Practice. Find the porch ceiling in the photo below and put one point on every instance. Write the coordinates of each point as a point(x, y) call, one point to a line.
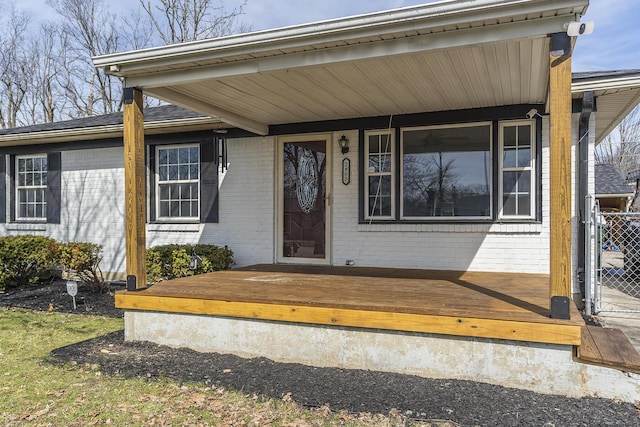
point(435, 57)
point(513, 72)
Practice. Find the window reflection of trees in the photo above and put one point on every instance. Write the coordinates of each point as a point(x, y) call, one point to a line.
point(429, 182)
point(447, 173)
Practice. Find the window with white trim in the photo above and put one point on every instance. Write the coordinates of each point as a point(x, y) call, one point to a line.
point(31, 187)
point(517, 170)
point(379, 174)
point(449, 172)
point(178, 182)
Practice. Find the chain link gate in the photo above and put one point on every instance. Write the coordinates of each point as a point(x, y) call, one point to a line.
point(613, 261)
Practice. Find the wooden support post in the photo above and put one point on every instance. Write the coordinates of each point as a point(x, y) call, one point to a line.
point(560, 174)
point(135, 189)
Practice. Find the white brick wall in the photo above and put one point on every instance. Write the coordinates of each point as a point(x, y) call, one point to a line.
point(93, 210)
point(92, 204)
point(246, 222)
point(477, 247)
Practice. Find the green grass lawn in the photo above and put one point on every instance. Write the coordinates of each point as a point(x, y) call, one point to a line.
point(34, 392)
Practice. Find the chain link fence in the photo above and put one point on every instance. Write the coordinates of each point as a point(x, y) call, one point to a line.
point(617, 261)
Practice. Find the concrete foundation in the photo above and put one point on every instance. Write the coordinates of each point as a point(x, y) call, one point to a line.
point(543, 368)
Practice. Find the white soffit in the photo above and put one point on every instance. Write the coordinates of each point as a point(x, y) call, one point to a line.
point(439, 56)
point(616, 93)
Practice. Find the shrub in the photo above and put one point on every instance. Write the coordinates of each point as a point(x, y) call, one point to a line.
point(82, 261)
point(168, 262)
point(26, 260)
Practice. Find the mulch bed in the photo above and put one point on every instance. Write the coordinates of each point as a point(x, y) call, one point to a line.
point(54, 297)
point(463, 402)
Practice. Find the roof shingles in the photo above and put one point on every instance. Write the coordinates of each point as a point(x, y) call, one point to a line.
point(152, 114)
point(609, 181)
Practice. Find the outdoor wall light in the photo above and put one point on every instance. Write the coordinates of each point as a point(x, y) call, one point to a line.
point(344, 144)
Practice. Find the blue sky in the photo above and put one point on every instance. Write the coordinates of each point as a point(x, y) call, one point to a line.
point(613, 44)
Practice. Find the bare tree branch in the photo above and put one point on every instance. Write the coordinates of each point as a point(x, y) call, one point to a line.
point(621, 148)
point(14, 82)
point(179, 21)
point(91, 30)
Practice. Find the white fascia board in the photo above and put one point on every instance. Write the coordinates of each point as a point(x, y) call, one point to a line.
point(626, 82)
point(379, 49)
point(99, 132)
point(434, 16)
point(614, 196)
point(233, 119)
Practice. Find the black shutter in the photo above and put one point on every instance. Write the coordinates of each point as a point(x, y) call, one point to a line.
point(54, 187)
point(208, 182)
point(3, 189)
point(151, 168)
point(12, 187)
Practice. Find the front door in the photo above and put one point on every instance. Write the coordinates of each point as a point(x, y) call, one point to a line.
point(303, 220)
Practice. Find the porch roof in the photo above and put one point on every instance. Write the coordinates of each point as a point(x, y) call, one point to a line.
point(617, 93)
point(436, 57)
point(162, 119)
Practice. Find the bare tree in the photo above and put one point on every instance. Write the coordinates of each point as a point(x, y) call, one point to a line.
point(179, 21)
point(139, 32)
point(46, 99)
point(90, 30)
point(621, 148)
point(46, 73)
point(14, 82)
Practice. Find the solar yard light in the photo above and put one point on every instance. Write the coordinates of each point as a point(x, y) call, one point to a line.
point(195, 260)
point(72, 289)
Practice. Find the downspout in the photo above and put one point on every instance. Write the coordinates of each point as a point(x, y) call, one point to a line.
point(588, 103)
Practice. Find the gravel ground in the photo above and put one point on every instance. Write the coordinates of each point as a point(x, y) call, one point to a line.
point(466, 403)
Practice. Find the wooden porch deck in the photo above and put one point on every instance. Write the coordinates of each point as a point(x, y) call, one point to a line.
point(484, 305)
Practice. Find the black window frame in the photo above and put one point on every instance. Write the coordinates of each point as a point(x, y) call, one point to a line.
point(207, 181)
point(495, 217)
point(53, 191)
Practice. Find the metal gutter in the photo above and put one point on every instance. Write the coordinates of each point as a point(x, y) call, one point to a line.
point(433, 17)
point(109, 131)
point(604, 196)
point(588, 104)
point(598, 84)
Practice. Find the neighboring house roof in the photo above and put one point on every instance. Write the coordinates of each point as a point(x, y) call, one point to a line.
point(617, 93)
point(609, 182)
point(165, 118)
point(439, 56)
point(632, 176)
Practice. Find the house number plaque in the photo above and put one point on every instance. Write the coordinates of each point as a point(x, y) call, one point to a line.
point(346, 171)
